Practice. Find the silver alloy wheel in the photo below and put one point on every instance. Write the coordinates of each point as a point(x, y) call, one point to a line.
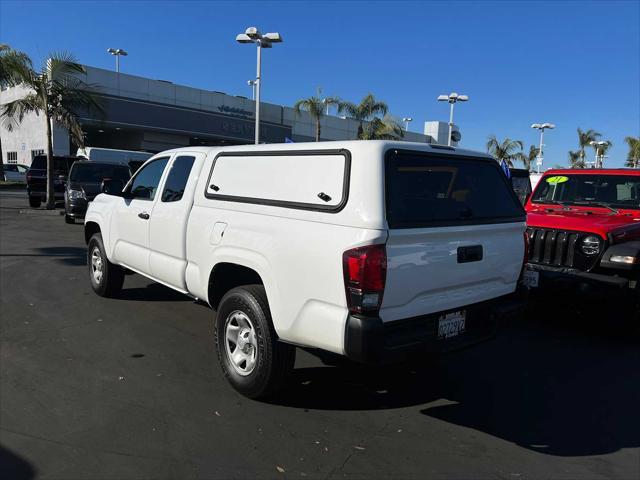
point(96, 265)
point(241, 344)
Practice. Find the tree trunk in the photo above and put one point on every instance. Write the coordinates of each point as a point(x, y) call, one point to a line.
point(318, 129)
point(51, 197)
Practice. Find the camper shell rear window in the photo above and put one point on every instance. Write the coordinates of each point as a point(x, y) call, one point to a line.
point(303, 179)
point(426, 189)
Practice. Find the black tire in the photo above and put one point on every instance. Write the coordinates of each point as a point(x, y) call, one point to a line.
point(274, 360)
point(109, 283)
point(69, 219)
point(34, 202)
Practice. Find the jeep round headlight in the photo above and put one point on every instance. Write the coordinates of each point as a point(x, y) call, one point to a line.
point(590, 245)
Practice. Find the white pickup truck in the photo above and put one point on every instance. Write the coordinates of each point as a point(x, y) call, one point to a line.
point(367, 249)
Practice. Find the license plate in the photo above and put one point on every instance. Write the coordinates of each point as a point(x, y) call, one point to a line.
point(451, 324)
point(530, 278)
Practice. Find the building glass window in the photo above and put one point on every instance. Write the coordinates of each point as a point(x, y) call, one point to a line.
point(12, 157)
point(35, 153)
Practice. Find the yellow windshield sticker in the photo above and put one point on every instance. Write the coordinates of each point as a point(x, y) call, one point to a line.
point(557, 179)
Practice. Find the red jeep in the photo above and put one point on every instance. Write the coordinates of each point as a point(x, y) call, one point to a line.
point(583, 228)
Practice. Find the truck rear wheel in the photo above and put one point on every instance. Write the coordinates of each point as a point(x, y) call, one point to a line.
point(106, 277)
point(252, 358)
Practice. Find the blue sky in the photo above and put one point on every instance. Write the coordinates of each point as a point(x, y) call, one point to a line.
point(572, 63)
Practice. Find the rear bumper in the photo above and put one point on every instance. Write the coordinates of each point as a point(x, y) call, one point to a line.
point(370, 340)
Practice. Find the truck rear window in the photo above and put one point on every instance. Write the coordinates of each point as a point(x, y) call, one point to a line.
point(430, 190)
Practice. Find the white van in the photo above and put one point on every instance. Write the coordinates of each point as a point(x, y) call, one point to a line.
point(131, 158)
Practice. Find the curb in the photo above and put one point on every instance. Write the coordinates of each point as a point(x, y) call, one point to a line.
point(49, 213)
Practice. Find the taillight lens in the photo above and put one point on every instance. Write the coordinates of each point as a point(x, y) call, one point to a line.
point(365, 272)
point(28, 176)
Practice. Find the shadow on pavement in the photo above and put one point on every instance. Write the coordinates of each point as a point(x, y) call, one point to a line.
point(13, 467)
point(550, 387)
point(74, 256)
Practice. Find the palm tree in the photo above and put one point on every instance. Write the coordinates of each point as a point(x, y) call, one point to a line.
point(58, 94)
point(531, 157)
point(506, 151)
point(386, 128)
point(366, 110)
point(584, 140)
point(633, 157)
point(316, 107)
point(601, 151)
point(10, 60)
point(575, 160)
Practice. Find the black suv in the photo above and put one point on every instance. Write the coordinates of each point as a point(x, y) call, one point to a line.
point(37, 178)
point(85, 180)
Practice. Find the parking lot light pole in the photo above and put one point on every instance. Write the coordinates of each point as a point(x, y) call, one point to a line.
point(599, 158)
point(406, 121)
point(541, 127)
point(253, 35)
point(452, 98)
point(117, 52)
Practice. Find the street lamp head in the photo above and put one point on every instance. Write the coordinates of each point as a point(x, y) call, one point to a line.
point(548, 125)
point(463, 98)
point(243, 38)
point(443, 98)
point(117, 51)
point(273, 37)
point(536, 126)
point(252, 32)
point(112, 51)
point(407, 119)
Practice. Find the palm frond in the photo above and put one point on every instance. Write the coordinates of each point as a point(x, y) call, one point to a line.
point(14, 112)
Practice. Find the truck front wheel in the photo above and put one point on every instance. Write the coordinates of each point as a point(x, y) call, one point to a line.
point(106, 277)
point(252, 358)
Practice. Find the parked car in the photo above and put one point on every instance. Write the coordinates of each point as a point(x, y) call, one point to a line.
point(37, 178)
point(367, 249)
point(584, 233)
point(85, 181)
point(15, 172)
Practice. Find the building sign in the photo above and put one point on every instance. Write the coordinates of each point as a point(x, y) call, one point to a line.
point(235, 111)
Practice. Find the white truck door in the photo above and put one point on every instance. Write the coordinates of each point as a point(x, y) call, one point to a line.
point(168, 223)
point(130, 227)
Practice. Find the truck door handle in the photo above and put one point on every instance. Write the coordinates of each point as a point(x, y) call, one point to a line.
point(144, 215)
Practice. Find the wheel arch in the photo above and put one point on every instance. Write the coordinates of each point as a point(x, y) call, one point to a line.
point(225, 276)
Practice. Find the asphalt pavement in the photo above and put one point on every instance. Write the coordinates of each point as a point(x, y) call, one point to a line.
point(130, 388)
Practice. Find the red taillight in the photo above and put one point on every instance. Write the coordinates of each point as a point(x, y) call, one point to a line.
point(28, 176)
point(365, 272)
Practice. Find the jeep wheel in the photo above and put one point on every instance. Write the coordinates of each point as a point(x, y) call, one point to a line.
point(106, 278)
point(252, 358)
point(34, 202)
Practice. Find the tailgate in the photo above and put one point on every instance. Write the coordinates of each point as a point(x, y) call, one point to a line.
point(437, 269)
point(456, 233)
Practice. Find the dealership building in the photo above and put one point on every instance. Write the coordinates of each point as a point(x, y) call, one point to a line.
point(154, 115)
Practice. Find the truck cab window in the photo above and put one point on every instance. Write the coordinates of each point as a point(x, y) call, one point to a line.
point(177, 179)
point(145, 183)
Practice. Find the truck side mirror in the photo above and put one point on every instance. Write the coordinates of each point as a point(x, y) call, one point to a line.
point(112, 187)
